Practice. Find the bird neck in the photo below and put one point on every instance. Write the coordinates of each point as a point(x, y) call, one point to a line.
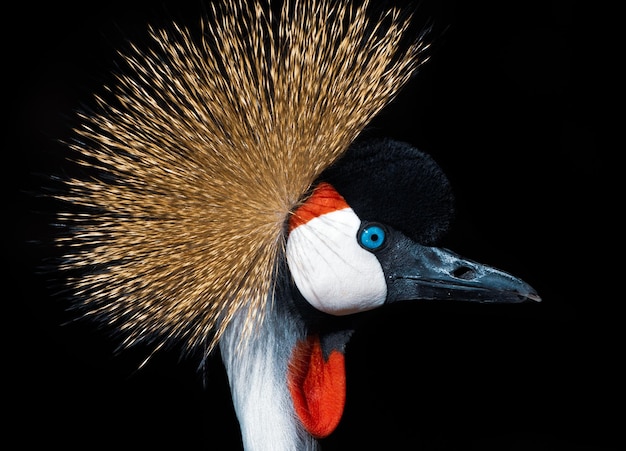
point(288, 379)
point(258, 373)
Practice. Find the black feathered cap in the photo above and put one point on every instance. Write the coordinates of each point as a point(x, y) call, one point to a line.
point(393, 183)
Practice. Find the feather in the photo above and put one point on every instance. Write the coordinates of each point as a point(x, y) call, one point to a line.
point(210, 143)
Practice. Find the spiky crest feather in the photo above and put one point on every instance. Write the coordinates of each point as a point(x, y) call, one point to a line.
point(208, 148)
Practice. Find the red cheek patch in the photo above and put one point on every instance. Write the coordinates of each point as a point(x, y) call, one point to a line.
point(317, 386)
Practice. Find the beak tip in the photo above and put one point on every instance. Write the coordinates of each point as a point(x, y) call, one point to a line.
point(533, 297)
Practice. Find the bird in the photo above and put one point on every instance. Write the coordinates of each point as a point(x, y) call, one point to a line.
point(231, 202)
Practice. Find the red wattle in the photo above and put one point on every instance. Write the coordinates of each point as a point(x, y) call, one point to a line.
point(317, 387)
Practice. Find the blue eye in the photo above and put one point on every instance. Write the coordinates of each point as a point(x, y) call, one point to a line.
point(372, 236)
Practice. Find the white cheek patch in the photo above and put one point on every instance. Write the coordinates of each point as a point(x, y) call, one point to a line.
point(333, 273)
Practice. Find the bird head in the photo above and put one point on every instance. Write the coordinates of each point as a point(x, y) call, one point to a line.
point(365, 237)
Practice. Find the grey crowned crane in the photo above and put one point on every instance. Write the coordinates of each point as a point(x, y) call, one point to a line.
point(233, 204)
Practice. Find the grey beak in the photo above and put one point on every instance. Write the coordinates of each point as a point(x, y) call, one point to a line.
point(417, 272)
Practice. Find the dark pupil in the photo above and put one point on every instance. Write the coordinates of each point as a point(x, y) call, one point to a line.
point(374, 237)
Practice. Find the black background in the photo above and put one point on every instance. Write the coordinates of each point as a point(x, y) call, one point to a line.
point(514, 104)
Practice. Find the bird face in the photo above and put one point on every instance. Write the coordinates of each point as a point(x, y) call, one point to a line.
point(347, 254)
point(342, 264)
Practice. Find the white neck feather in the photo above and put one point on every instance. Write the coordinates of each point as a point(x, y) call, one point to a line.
point(257, 374)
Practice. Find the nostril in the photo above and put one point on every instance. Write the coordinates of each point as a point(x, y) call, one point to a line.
point(464, 272)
